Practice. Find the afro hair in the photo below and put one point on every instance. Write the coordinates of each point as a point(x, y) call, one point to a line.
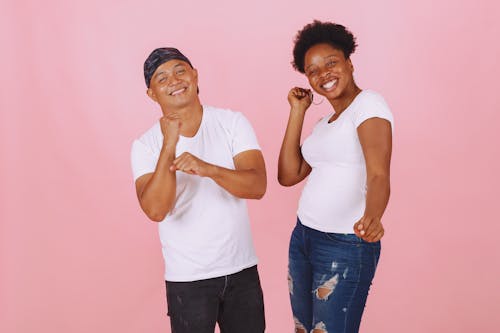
point(319, 32)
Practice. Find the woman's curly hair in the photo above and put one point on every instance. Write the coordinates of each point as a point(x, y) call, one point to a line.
point(319, 32)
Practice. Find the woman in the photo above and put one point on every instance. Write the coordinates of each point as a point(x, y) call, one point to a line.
point(335, 246)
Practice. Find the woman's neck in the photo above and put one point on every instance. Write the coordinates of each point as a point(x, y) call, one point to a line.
point(343, 101)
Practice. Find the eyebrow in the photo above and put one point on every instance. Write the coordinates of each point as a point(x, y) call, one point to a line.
point(327, 57)
point(159, 73)
point(163, 72)
point(308, 66)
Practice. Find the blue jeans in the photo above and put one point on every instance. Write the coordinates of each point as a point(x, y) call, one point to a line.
point(329, 278)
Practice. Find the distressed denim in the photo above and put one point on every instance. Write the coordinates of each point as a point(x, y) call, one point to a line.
point(233, 301)
point(329, 278)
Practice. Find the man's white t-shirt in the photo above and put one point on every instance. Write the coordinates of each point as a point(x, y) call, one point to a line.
point(207, 233)
point(334, 197)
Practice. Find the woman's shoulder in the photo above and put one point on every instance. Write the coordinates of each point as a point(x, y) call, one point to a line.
point(370, 99)
point(371, 96)
point(371, 104)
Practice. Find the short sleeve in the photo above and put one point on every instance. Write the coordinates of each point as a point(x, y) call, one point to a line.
point(243, 136)
point(373, 107)
point(143, 159)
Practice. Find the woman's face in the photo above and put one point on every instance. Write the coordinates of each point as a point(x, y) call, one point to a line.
point(328, 71)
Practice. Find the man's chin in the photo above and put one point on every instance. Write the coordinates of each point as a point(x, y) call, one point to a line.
point(180, 104)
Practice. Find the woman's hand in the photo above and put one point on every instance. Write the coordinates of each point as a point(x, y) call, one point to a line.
point(369, 229)
point(300, 99)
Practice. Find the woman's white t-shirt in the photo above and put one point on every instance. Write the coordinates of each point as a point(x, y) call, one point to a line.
point(334, 197)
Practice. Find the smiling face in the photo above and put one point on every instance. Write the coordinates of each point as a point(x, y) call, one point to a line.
point(328, 71)
point(174, 85)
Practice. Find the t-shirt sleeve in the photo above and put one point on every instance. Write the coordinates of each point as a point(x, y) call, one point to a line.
point(374, 107)
point(243, 136)
point(142, 158)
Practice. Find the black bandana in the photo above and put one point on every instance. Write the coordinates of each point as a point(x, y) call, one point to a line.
point(159, 57)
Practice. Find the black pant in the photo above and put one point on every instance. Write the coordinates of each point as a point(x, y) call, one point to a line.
point(234, 301)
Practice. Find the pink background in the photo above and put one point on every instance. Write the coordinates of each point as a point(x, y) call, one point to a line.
point(78, 255)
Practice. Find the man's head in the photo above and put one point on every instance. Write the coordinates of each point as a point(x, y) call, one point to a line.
point(159, 57)
point(171, 79)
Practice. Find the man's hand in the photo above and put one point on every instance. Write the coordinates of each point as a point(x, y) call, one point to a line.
point(170, 127)
point(369, 229)
point(192, 165)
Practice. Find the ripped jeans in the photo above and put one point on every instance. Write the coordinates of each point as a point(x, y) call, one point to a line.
point(329, 278)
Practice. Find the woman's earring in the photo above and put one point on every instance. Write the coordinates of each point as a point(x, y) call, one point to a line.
point(311, 96)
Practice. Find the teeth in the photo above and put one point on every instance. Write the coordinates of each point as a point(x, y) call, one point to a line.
point(177, 92)
point(329, 84)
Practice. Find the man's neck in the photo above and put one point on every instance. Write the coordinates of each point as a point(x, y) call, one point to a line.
point(190, 117)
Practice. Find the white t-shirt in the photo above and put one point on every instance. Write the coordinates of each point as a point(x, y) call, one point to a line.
point(207, 233)
point(334, 196)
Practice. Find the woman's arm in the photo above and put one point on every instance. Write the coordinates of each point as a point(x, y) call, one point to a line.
point(375, 136)
point(292, 168)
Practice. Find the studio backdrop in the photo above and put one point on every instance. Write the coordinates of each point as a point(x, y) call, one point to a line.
point(78, 255)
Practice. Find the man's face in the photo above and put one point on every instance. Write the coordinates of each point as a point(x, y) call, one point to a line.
point(174, 85)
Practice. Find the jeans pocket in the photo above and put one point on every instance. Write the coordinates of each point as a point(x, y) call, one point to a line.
point(350, 239)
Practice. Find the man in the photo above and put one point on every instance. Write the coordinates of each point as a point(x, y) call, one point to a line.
point(193, 171)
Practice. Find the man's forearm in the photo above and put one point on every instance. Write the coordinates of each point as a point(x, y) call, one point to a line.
point(246, 184)
point(158, 195)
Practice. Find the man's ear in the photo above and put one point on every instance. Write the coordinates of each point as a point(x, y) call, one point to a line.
point(196, 78)
point(152, 95)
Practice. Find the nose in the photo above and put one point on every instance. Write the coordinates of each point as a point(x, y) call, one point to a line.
point(173, 80)
point(325, 73)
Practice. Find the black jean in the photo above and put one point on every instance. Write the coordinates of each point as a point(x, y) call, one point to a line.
point(233, 301)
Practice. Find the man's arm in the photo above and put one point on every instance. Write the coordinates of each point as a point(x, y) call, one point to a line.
point(156, 191)
point(247, 181)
